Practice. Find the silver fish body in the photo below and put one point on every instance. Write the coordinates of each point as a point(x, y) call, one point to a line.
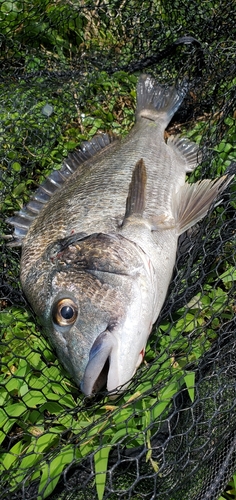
point(99, 240)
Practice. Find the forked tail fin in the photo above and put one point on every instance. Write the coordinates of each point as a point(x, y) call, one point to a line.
point(158, 102)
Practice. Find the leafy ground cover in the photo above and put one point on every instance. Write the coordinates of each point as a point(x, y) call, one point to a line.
point(42, 413)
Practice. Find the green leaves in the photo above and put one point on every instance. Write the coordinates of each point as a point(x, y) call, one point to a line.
point(228, 276)
point(41, 408)
point(189, 380)
point(100, 465)
point(53, 470)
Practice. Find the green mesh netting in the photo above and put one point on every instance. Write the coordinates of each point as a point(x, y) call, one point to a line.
point(69, 70)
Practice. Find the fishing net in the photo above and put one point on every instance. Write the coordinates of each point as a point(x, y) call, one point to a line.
point(69, 70)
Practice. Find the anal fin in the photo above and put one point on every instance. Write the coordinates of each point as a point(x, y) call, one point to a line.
point(193, 201)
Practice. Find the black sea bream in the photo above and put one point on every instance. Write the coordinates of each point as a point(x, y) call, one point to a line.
point(99, 240)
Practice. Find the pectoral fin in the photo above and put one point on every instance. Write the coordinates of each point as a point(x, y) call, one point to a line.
point(193, 201)
point(135, 203)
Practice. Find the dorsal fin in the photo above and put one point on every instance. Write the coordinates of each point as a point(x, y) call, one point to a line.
point(135, 203)
point(23, 219)
point(187, 149)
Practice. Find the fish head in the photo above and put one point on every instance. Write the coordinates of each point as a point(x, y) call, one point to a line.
point(96, 309)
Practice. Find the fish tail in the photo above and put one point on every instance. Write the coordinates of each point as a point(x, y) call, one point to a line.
point(158, 102)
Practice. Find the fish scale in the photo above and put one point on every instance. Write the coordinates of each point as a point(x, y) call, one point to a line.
point(99, 240)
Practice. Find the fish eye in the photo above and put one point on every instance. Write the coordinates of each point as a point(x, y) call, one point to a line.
point(64, 312)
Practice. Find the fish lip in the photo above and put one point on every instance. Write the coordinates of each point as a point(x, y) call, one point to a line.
point(102, 369)
point(97, 369)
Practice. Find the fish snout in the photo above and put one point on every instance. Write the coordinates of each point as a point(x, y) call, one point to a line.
point(105, 368)
point(97, 369)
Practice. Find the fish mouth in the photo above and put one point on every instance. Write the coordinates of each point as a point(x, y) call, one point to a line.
point(97, 372)
point(104, 370)
point(101, 380)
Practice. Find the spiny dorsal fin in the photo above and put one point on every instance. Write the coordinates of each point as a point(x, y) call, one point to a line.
point(187, 149)
point(135, 203)
point(87, 150)
point(23, 219)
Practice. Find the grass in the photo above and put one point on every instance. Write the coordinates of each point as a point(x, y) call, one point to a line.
point(43, 416)
point(46, 426)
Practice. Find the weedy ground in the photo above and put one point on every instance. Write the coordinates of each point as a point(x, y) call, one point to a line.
point(42, 413)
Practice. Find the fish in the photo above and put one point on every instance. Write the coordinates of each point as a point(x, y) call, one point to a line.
point(99, 240)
